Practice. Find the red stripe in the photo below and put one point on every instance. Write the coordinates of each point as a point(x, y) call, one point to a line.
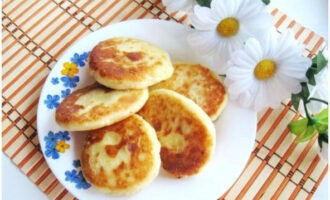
point(318, 182)
point(305, 177)
point(61, 195)
point(27, 158)
point(294, 167)
point(280, 21)
point(51, 187)
point(36, 166)
point(43, 176)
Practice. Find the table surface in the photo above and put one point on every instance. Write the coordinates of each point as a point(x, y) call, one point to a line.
point(311, 14)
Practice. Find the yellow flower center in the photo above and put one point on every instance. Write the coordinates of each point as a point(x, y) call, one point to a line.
point(61, 146)
point(228, 27)
point(265, 69)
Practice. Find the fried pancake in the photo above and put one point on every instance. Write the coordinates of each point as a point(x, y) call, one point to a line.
point(199, 84)
point(185, 132)
point(97, 106)
point(125, 63)
point(122, 158)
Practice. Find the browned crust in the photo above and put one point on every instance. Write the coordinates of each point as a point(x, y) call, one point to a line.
point(124, 65)
point(67, 111)
point(161, 111)
point(136, 144)
point(211, 97)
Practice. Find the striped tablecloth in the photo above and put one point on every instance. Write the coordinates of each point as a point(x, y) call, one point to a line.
point(36, 33)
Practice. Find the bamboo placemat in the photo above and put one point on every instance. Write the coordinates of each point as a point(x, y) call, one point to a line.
point(36, 33)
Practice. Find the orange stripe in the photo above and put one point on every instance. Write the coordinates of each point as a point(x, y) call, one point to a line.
point(274, 125)
point(117, 13)
point(292, 23)
point(271, 177)
point(24, 11)
point(309, 37)
point(305, 177)
point(4, 6)
point(182, 18)
point(27, 158)
point(316, 46)
point(26, 32)
point(15, 8)
point(280, 21)
point(28, 109)
point(264, 118)
point(274, 12)
point(299, 32)
point(131, 12)
point(43, 176)
point(25, 97)
point(51, 187)
point(318, 182)
point(147, 10)
point(294, 167)
point(28, 18)
point(271, 153)
point(32, 26)
point(61, 195)
point(264, 162)
point(15, 137)
point(36, 166)
point(105, 11)
point(14, 80)
point(49, 35)
point(19, 149)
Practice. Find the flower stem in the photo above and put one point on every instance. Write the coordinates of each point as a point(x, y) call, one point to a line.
point(309, 118)
point(316, 99)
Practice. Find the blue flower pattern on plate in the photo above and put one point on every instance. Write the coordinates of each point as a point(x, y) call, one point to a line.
point(77, 177)
point(76, 163)
point(55, 81)
point(68, 83)
point(80, 59)
point(65, 93)
point(54, 143)
point(52, 101)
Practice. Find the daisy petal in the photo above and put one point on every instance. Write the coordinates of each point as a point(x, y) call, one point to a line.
point(203, 18)
point(253, 49)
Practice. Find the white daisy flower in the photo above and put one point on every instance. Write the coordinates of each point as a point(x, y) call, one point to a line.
point(264, 73)
point(183, 5)
point(225, 27)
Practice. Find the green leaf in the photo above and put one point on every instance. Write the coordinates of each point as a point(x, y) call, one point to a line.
point(205, 3)
point(322, 121)
point(308, 134)
point(298, 127)
point(310, 76)
point(320, 61)
point(323, 137)
point(295, 99)
point(304, 94)
point(266, 1)
point(323, 114)
point(321, 128)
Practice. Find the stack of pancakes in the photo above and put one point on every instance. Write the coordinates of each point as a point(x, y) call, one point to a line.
point(142, 113)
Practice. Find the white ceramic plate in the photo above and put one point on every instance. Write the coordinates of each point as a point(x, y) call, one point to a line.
point(236, 128)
